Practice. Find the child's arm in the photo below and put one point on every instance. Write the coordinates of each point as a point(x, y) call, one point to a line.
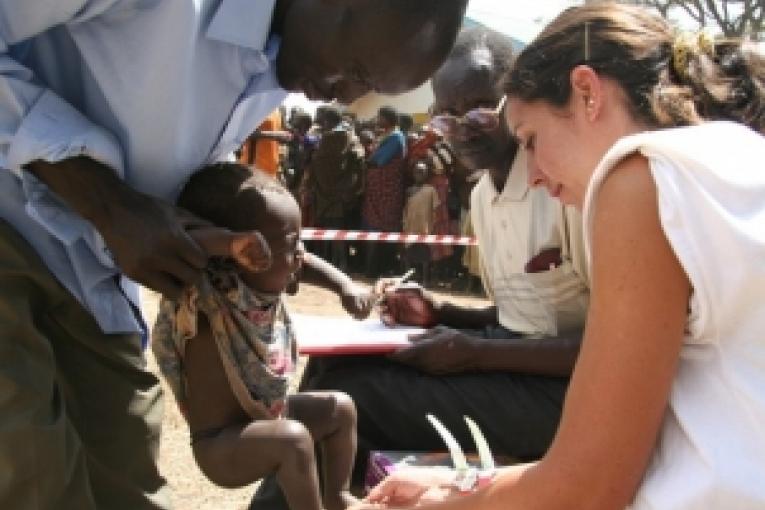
point(356, 300)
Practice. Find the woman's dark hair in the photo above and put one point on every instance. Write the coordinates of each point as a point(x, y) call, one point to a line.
point(631, 45)
point(227, 194)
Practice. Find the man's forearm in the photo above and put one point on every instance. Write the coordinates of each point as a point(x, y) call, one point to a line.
point(456, 316)
point(86, 186)
point(552, 356)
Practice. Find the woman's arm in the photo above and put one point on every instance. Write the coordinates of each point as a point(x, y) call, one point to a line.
point(619, 391)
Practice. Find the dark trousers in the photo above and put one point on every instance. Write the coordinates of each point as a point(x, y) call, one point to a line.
point(79, 413)
point(517, 413)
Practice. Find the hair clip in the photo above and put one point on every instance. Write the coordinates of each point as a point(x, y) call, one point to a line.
point(681, 49)
point(586, 41)
point(706, 43)
point(685, 45)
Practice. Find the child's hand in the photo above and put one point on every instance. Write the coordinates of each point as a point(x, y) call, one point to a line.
point(358, 302)
point(248, 249)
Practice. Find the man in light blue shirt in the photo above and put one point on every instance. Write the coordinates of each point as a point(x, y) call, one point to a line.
point(106, 107)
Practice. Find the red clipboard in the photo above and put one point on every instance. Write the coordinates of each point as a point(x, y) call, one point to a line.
point(319, 335)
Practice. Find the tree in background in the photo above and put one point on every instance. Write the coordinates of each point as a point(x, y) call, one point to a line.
point(735, 18)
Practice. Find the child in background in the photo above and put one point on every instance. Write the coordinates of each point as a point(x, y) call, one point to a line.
point(419, 217)
point(227, 348)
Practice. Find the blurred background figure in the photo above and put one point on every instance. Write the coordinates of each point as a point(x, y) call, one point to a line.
point(262, 147)
point(419, 216)
point(336, 181)
point(299, 148)
point(384, 194)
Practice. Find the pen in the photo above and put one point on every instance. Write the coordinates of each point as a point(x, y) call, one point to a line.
point(397, 283)
point(404, 277)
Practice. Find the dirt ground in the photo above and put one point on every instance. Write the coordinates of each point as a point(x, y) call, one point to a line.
point(191, 490)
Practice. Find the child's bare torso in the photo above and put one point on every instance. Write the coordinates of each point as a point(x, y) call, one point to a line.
point(211, 403)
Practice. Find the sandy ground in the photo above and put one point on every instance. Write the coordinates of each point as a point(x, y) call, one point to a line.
point(191, 490)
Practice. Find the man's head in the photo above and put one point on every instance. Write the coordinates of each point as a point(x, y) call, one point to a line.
point(471, 78)
point(343, 49)
point(301, 121)
point(387, 118)
point(331, 117)
point(240, 199)
point(405, 122)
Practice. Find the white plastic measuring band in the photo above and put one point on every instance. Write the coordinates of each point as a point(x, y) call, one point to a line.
point(458, 456)
point(467, 478)
point(484, 453)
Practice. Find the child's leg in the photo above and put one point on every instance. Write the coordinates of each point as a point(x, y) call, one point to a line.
point(331, 418)
point(239, 455)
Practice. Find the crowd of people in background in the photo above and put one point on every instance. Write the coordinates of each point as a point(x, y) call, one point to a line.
point(385, 174)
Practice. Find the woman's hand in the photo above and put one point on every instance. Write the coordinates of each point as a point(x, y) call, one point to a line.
point(414, 486)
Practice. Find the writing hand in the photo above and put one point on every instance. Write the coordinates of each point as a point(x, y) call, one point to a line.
point(408, 305)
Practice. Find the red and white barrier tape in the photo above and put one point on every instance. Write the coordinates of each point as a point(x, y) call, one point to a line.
point(317, 234)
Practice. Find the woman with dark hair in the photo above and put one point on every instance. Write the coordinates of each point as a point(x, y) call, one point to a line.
point(658, 139)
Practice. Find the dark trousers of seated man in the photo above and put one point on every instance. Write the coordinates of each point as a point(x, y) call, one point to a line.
point(517, 413)
point(79, 413)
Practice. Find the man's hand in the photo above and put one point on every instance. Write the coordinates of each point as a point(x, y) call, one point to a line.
point(248, 249)
point(148, 238)
point(407, 305)
point(150, 243)
point(166, 248)
point(440, 351)
point(358, 302)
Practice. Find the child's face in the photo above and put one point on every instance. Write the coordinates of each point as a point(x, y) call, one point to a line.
point(280, 225)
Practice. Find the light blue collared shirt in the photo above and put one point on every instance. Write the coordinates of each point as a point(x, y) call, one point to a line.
point(153, 88)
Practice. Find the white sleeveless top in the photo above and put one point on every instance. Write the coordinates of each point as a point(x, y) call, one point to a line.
point(710, 182)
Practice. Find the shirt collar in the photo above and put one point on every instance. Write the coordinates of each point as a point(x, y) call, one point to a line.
point(517, 184)
point(243, 23)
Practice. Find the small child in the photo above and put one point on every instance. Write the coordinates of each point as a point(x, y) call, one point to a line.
point(419, 216)
point(227, 348)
